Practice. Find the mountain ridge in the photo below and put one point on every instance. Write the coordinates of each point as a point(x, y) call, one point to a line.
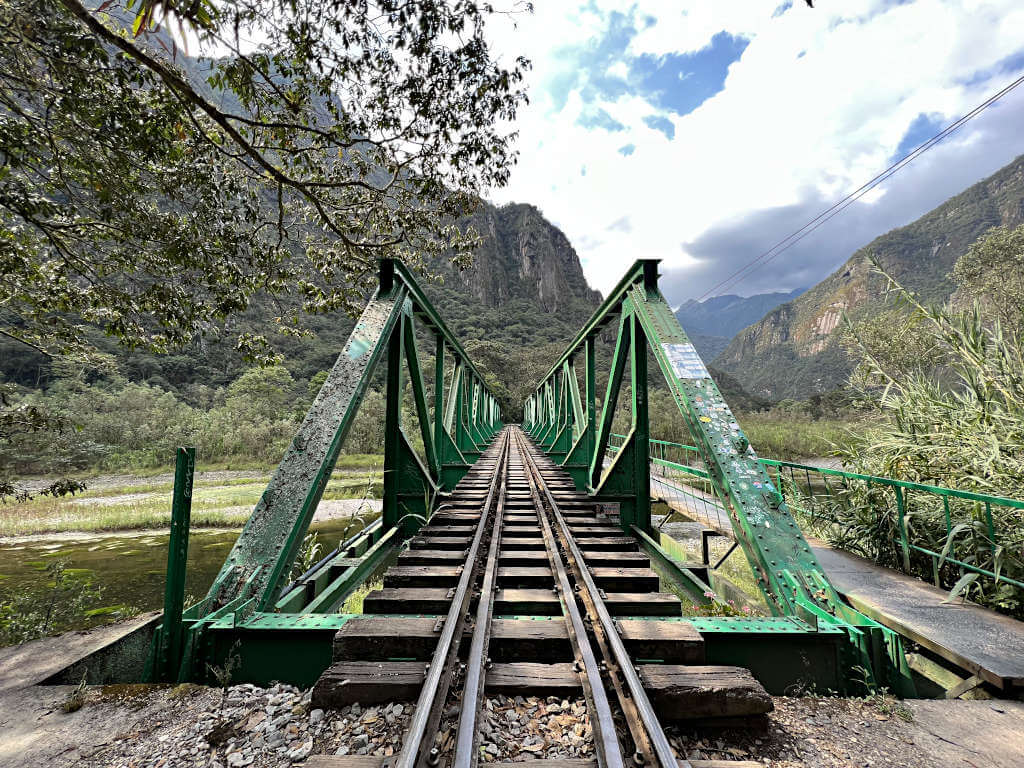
point(711, 323)
point(793, 351)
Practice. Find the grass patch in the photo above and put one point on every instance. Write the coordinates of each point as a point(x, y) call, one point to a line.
point(216, 503)
point(791, 437)
point(354, 602)
point(350, 461)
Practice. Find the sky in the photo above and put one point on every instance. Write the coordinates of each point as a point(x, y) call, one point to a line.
point(701, 132)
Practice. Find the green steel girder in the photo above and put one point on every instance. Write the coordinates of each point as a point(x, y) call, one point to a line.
point(788, 573)
point(611, 400)
point(255, 656)
point(306, 589)
point(578, 419)
point(334, 592)
point(252, 576)
point(419, 394)
point(268, 544)
point(577, 461)
point(787, 655)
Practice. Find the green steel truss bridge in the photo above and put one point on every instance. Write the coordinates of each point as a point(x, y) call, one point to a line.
point(524, 559)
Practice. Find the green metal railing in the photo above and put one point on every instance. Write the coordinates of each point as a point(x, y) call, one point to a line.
point(949, 536)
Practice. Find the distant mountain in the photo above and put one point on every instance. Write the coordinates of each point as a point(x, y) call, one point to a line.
point(794, 350)
point(728, 315)
point(708, 346)
point(711, 323)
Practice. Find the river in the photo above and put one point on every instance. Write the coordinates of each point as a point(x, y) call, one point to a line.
point(130, 567)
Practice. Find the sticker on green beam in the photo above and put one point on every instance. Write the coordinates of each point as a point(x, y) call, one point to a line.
point(685, 362)
point(359, 347)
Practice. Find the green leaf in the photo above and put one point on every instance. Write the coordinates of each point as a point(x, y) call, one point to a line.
point(139, 20)
point(958, 528)
point(965, 581)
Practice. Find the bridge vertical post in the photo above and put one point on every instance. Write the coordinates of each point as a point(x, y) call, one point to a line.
point(171, 634)
point(392, 427)
point(538, 421)
point(439, 443)
point(641, 427)
point(591, 428)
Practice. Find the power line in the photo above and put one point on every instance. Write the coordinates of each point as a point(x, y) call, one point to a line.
point(838, 207)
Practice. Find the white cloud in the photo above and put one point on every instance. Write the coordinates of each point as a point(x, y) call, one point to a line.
point(619, 69)
point(816, 105)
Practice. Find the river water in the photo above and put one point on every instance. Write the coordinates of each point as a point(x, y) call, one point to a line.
point(130, 567)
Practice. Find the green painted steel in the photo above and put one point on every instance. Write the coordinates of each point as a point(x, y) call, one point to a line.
point(252, 578)
point(666, 554)
point(611, 400)
point(247, 613)
point(273, 534)
point(309, 586)
point(169, 637)
point(337, 590)
point(788, 574)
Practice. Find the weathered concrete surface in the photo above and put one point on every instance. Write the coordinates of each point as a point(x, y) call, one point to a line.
point(980, 640)
point(987, 734)
point(31, 663)
point(33, 729)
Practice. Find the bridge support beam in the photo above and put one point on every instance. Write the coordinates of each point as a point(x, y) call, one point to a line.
point(788, 574)
point(255, 576)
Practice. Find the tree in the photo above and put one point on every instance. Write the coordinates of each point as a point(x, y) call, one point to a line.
point(155, 194)
point(263, 394)
point(992, 272)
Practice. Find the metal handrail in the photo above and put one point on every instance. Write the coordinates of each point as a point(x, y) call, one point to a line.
point(904, 538)
point(940, 490)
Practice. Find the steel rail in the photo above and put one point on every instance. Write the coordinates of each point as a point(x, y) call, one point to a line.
point(592, 597)
point(466, 754)
point(433, 694)
point(609, 752)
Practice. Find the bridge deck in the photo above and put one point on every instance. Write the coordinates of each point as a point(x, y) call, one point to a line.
point(981, 641)
point(984, 642)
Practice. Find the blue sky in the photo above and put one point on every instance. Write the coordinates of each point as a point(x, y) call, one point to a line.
point(702, 131)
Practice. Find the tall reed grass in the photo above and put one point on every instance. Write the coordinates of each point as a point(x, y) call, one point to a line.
point(958, 423)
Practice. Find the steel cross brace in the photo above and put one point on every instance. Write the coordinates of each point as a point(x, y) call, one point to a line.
point(788, 573)
point(256, 569)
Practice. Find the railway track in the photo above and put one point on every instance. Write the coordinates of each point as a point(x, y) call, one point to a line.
point(519, 586)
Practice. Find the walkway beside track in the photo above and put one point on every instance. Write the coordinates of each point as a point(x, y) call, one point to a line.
point(981, 641)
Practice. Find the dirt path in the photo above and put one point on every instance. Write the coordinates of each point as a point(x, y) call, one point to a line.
point(101, 482)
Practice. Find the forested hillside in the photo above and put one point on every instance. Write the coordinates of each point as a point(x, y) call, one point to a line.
point(524, 289)
point(794, 351)
point(523, 298)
